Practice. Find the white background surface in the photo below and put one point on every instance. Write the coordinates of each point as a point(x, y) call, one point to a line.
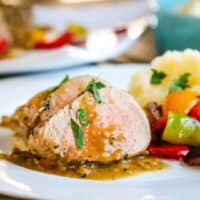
point(176, 183)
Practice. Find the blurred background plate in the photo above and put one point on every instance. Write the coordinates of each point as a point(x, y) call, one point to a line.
point(102, 44)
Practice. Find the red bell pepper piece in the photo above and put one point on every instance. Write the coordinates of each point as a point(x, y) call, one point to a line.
point(3, 45)
point(195, 111)
point(120, 30)
point(169, 151)
point(62, 40)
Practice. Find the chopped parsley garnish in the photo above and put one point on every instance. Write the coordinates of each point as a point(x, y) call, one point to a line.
point(94, 87)
point(82, 116)
point(157, 77)
point(78, 134)
point(180, 84)
point(66, 78)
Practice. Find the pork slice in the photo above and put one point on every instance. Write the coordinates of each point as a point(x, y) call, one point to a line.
point(117, 127)
point(67, 93)
point(45, 104)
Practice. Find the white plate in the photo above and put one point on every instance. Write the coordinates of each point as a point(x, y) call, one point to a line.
point(102, 43)
point(177, 182)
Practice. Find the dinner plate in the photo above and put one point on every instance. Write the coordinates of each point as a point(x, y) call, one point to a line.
point(176, 182)
point(101, 44)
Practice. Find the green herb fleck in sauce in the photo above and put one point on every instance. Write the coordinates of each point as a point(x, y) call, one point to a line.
point(82, 116)
point(78, 134)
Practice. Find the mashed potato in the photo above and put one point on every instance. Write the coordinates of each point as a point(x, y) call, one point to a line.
point(174, 64)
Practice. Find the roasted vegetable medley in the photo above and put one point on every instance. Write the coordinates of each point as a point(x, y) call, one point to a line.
point(170, 95)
